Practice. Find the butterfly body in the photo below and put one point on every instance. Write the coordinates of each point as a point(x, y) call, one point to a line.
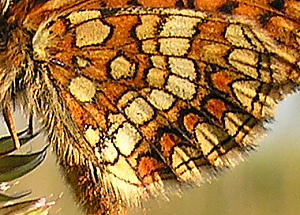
point(138, 95)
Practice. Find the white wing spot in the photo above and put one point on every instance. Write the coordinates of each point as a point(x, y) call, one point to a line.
point(92, 136)
point(126, 139)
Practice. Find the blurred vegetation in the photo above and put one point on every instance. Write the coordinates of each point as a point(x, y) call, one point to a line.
point(14, 166)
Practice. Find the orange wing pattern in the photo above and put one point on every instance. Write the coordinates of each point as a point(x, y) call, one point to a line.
point(136, 95)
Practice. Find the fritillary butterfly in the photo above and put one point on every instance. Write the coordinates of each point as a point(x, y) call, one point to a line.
point(136, 95)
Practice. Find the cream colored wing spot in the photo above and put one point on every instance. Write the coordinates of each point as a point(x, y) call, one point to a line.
point(184, 166)
point(240, 126)
point(233, 121)
point(124, 171)
point(241, 37)
point(150, 46)
point(93, 32)
point(82, 89)
point(121, 177)
point(280, 70)
point(127, 98)
point(81, 62)
point(157, 77)
point(174, 46)
point(126, 138)
point(109, 151)
point(139, 111)
point(209, 136)
point(92, 136)
point(181, 88)
point(115, 120)
point(83, 16)
point(245, 61)
point(148, 28)
point(159, 61)
point(98, 153)
point(183, 67)
point(248, 93)
point(122, 68)
point(214, 54)
point(179, 26)
point(161, 100)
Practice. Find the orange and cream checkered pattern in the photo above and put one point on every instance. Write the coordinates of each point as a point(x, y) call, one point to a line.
point(137, 95)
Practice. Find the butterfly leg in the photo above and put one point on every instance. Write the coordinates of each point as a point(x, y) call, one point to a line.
point(9, 120)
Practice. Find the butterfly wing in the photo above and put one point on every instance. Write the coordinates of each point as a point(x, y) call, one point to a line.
point(155, 95)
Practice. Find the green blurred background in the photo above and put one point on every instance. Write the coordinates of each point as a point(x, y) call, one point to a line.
point(267, 183)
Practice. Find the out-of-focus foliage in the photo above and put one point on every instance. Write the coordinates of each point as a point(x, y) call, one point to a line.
point(33, 207)
point(13, 166)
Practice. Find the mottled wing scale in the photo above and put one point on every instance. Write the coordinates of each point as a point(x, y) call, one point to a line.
point(136, 95)
point(157, 95)
point(279, 17)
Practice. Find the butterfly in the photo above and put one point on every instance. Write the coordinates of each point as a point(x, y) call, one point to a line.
point(141, 96)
